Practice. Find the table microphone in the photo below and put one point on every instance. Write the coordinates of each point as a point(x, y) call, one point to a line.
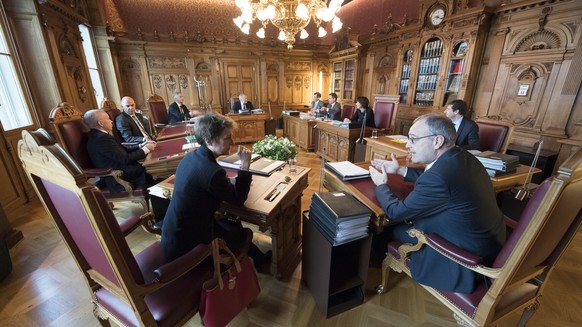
point(361, 138)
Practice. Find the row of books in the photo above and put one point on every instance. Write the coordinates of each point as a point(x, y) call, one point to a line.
point(339, 217)
point(259, 165)
point(497, 164)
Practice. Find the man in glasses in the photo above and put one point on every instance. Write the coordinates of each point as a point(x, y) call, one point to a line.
point(452, 197)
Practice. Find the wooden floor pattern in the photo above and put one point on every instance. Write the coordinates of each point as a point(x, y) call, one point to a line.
point(46, 288)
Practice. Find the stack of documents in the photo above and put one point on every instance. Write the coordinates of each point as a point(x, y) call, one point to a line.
point(497, 164)
point(346, 170)
point(262, 166)
point(339, 216)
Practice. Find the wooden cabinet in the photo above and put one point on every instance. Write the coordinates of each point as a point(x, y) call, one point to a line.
point(344, 69)
point(335, 275)
point(405, 75)
point(251, 128)
point(300, 131)
point(339, 142)
point(428, 71)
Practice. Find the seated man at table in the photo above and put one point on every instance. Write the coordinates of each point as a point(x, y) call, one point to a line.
point(105, 152)
point(467, 130)
point(243, 105)
point(452, 197)
point(333, 110)
point(178, 112)
point(200, 186)
point(131, 124)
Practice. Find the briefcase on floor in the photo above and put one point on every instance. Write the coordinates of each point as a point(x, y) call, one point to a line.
point(5, 262)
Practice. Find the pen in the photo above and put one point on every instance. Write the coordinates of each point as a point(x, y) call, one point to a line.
point(274, 196)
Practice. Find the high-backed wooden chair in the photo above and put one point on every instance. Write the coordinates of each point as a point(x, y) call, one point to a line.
point(516, 279)
point(494, 135)
point(112, 111)
point(385, 110)
point(348, 111)
point(233, 100)
point(140, 290)
point(71, 132)
point(158, 110)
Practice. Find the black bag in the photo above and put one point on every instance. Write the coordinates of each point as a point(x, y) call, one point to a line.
point(5, 262)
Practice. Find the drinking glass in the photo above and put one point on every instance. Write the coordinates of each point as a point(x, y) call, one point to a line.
point(292, 165)
point(375, 134)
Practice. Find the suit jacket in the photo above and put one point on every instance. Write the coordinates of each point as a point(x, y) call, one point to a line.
point(468, 135)
point(177, 113)
point(128, 128)
point(200, 186)
point(334, 112)
point(316, 104)
point(236, 107)
point(358, 117)
point(105, 152)
point(454, 199)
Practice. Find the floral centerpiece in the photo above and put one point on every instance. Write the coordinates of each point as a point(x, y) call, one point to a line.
point(277, 148)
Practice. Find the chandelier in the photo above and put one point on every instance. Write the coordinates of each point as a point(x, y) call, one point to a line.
point(289, 16)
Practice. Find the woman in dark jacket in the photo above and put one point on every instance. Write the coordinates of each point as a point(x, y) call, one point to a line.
point(363, 113)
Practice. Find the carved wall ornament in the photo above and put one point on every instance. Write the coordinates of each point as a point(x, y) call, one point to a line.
point(156, 36)
point(539, 40)
point(186, 36)
point(387, 61)
point(171, 83)
point(203, 66)
point(66, 47)
point(544, 18)
point(129, 64)
point(298, 66)
point(199, 37)
point(79, 80)
point(272, 68)
point(323, 68)
point(307, 82)
point(289, 82)
point(157, 79)
point(183, 81)
point(139, 34)
point(298, 82)
point(166, 62)
point(172, 36)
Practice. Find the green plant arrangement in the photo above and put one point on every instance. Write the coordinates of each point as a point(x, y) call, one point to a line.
point(277, 148)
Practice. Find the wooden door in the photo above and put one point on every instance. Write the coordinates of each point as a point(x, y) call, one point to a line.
point(239, 79)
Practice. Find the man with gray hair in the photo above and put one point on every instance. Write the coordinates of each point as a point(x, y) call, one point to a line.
point(243, 105)
point(178, 112)
point(105, 152)
point(452, 197)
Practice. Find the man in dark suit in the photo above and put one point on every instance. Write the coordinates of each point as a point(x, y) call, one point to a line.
point(333, 109)
point(105, 152)
point(178, 112)
point(243, 105)
point(131, 125)
point(467, 130)
point(317, 105)
point(452, 197)
point(200, 186)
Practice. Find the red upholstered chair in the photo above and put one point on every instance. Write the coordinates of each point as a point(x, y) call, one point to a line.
point(140, 290)
point(494, 135)
point(71, 132)
point(158, 110)
point(112, 111)
point(385, 109)
point(517, 277)
point(348, 111)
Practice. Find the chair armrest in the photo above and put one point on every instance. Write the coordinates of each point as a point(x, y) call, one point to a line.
point(148, 222)
point(183, 264)
point(452, 251)
point(98, 172)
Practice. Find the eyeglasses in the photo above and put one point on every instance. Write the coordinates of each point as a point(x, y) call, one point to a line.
point(414, 139)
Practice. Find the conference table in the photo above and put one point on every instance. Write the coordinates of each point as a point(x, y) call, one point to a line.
point(363, 189)
point(163, 161)
point(273, 203)
point(174, 131)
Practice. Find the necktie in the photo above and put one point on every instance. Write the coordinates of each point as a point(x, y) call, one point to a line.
point(145, 135)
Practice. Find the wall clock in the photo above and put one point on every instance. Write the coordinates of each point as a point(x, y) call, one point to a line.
point(436, 16)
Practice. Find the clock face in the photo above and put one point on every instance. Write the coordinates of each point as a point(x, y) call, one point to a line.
point(436, 16)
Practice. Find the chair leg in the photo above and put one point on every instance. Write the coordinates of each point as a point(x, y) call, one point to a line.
point(103, 319)
point(382, 288)
point(528, 313)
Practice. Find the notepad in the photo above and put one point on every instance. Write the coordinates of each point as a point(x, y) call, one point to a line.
point(347, 170)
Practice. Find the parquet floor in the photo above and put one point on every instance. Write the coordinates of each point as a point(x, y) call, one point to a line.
point(46, 288)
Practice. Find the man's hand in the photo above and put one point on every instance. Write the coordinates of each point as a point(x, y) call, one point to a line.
point(389, 166)
point(379, 178)
point(245, 157)
point(150, 146)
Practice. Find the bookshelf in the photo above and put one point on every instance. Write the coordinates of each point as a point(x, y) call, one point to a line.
point(405, 76)
point(428, 71)
point(455, 72)
point(344, 79)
